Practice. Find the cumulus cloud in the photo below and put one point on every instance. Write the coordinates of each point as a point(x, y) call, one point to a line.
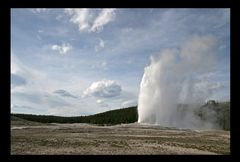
point(62, 49)
point(87, 20)
point(104, 88)
point(103, 18)
point(64, 93)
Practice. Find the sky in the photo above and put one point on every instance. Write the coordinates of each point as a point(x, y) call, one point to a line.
point(73, 62)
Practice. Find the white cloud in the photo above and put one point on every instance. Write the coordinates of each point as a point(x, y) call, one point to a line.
point(102, 103)
point(64, 93)
point(129, 103)
point(21, 74)
point(34, 80)
point(104, 88)
point(39, 10)
point(104, 64)
point(80, 17)
point(87, 21)
point(100, 65)
point(99, 101)
point(59, 17)
point(62, 49)
point(38, 93)
point(100, 45)
point(103, 18)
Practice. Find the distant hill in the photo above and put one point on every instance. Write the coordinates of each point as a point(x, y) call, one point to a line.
point(218, 113)
point(124, 115)
point(15, 121)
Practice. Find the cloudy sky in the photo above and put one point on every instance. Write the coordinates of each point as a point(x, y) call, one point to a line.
point(74, 62)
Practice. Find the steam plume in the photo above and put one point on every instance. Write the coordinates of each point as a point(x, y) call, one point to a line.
point(171, 79)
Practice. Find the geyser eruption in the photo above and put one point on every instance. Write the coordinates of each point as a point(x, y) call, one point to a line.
point(172, 81)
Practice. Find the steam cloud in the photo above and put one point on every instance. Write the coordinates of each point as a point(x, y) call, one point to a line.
point(172, 79)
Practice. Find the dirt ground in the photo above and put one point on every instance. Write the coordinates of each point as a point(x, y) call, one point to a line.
point(78, 139)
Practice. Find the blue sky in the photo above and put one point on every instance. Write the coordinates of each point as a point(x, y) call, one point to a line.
point(84, 61)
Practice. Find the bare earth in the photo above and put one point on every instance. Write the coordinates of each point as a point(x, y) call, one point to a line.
point(78, 139)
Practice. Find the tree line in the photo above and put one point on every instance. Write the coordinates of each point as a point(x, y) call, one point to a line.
point(217, 113)
point(124, 115)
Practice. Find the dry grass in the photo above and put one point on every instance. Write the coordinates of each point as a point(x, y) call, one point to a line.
point(121, 139)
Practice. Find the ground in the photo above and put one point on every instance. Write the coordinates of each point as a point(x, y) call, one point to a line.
point(78, 139)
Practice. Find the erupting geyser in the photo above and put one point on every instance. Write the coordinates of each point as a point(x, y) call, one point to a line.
point(172, 79)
